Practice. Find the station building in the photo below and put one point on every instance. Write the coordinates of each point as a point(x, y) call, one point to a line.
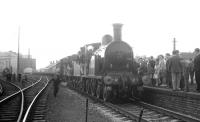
point(9, 60)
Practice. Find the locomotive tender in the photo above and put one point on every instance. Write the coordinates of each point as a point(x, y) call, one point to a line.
point(106, 70)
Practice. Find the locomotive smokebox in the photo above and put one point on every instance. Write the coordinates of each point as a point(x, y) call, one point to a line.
point(117, 27)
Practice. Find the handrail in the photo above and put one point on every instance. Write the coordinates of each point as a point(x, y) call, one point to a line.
point(33, 101)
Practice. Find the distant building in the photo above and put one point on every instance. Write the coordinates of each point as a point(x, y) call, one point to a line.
point(187, 55)
point(51, 68)
point(25, 63)
point(9, 60)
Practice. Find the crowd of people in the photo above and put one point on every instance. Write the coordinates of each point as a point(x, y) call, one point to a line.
point(172, 71)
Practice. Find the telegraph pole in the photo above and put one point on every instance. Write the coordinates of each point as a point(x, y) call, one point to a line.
point(29, 55)
point(174, 43)
point(85, 73)
point(18, 55)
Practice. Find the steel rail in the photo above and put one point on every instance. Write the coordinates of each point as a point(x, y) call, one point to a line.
point(123, 112)
point(22, 103)
point(144, 105)
point(11, 94)
point(22, 97)
point(22, 106)
point(33, 101)
point(32, 84)
point(8, 97)
point(10, 83)
point(168, 112)
point(109, 105)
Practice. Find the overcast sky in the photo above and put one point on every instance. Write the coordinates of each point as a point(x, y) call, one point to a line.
point(54, 29)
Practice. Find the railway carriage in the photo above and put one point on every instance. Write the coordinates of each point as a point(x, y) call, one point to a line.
point(107, 70)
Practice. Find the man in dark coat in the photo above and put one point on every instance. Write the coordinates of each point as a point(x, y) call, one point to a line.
point(168, 73)
point(150, 69)
point(185, 74)
point(56, 81)
point(197, 68)
point(175, 67)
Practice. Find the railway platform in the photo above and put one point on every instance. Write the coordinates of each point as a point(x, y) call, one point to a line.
point(179, 101)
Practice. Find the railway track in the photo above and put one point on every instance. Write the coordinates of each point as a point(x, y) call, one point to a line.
point(17, 106)
point(8, 88)
point(134, 110)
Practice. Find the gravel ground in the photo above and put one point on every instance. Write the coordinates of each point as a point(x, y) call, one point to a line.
point(68, 106)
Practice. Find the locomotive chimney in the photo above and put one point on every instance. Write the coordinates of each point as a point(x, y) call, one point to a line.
point(117, 31)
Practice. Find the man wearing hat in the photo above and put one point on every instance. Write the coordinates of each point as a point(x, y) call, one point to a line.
point(175, 68)
point(197, 67)
point(56, 81)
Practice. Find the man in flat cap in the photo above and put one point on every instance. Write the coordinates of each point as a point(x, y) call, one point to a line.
point(197, 68)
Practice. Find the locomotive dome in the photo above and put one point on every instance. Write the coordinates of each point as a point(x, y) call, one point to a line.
point(106, 39)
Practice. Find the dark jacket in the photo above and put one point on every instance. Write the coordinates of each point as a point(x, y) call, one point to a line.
point(56, 82)
point(185, 66)
point(143, 68)
point(191, 66)
point(150, 66)
point(197, 63)
point(174, 64)
point(167, 65)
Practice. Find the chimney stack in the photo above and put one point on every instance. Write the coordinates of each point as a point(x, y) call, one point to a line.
point(117, 31)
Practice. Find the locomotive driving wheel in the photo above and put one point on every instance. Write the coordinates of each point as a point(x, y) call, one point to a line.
point(87, 87)
point(93, 92)
point(98, 91)
point(133, 92)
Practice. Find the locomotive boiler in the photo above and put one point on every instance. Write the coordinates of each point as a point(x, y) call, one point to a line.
point(106, 70)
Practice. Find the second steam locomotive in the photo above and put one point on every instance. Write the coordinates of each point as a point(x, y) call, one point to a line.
point(106, 70)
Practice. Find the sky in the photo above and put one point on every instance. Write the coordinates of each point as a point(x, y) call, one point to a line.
point(54, 29)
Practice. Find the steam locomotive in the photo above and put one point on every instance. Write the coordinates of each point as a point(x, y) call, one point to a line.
point(106, 70)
